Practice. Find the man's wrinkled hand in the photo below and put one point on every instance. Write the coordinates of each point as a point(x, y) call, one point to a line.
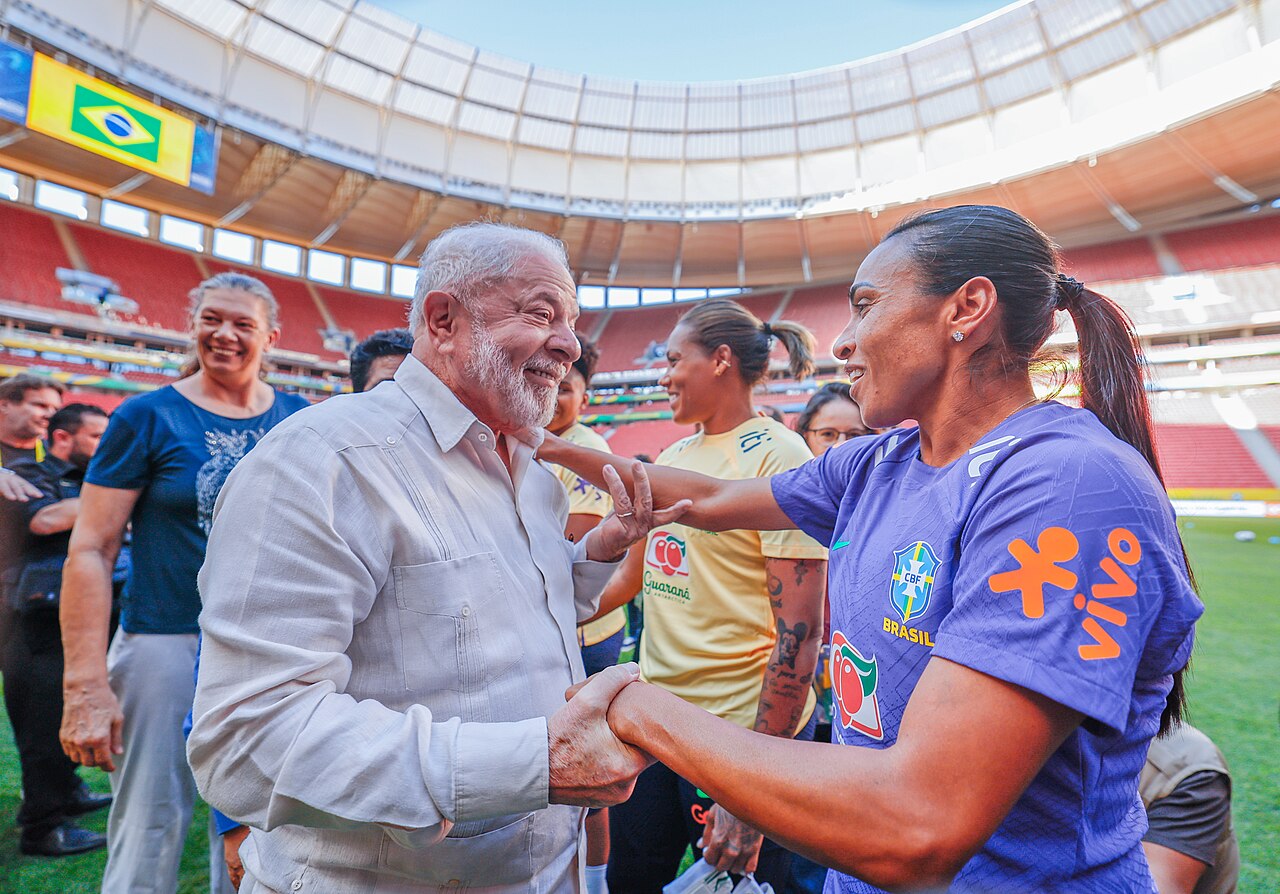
point(730, 844)
point(631, 519)
point(589, 765)
point(91, 726)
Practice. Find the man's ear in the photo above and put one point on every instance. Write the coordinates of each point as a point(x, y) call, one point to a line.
point(441, 319)
point(586, 400)
point(59, 437)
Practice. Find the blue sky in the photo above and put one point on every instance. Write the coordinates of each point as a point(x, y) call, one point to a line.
point(690, 40)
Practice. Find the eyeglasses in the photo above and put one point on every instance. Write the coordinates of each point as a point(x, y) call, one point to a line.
point(834, 435)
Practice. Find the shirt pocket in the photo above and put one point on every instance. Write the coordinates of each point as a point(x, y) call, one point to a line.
point(503, 856)
point(456, 632)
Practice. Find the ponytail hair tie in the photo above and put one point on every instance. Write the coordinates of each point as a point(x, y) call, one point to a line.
point(767, 330)
point(1069, 291)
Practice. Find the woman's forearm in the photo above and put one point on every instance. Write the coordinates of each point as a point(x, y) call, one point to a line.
point(85, 615)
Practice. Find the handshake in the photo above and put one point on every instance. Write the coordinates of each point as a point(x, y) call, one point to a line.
point(590, 766)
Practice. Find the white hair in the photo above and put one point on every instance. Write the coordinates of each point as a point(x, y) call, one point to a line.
point(473, 256)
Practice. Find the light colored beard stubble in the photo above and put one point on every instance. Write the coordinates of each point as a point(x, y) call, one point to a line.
point(490, 368)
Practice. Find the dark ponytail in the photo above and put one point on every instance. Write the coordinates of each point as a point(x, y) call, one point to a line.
point(951, 246)
point(722, 321)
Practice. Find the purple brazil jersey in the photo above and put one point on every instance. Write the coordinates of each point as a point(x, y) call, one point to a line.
point(1047, 556)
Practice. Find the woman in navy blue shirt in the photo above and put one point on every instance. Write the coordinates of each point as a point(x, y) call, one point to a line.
point(160, 465)
point(1011, 608)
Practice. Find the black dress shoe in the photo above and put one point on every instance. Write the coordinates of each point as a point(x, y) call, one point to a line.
point(62, 841)
point(86, 801)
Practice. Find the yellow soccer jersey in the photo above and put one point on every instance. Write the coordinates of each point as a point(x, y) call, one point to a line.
point(587, 499)
point(708, 628)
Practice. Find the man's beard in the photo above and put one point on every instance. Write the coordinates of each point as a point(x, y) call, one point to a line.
point(524, 405)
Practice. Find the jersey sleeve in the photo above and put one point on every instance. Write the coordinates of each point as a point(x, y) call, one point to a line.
point(1070, 580)
point(783, 456)
point(123, 457)
point(811, 493)
point(1194, 817)
point(37, 475)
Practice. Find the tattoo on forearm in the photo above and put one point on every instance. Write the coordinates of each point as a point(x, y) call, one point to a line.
point(774, 585)
point(789, 640)
point(802, 568)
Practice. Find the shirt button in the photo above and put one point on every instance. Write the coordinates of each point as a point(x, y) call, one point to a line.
point(466, 611)
point(296, 885)
point(483, 438)
point(391, 440)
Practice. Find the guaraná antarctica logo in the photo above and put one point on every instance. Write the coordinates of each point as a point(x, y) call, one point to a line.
point(853, 683)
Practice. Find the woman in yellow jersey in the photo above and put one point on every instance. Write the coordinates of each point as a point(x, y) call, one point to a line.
point(600, 639)
point(732, 620)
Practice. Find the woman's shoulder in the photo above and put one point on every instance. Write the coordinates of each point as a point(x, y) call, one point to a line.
point(136, 409)
point(1066, 453)
point(289, 402)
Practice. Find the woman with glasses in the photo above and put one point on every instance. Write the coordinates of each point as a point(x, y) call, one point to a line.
point(732, 620)
point(830, 418)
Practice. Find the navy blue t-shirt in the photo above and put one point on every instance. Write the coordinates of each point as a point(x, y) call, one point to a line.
point(178, 455)
point(1047, 556)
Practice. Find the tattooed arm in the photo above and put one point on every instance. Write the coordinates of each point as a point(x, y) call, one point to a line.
point(796, 589)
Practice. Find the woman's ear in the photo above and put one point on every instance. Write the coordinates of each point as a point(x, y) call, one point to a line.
point(972, 311)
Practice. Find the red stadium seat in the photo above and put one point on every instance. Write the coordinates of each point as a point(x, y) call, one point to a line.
point(646, 437)
point(364, 314)
point(1206, 456)
point(1111, 261)
point(30, 252)
point(157, 278)
point(1247, 243)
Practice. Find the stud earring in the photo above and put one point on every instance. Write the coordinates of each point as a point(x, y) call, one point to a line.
point(957, 336)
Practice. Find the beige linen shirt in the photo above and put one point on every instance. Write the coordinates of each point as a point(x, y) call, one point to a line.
point(389, 618)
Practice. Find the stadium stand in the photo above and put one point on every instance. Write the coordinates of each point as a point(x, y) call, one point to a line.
point(825, 310)
point(628, 335)
point(157, 278)
point(1247, 243)
point(363, 314)
point(1127, 259)
point(645, 437)
point(1208, 456)
point(30, 252)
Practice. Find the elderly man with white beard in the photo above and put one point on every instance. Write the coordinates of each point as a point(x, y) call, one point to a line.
point(390, 610)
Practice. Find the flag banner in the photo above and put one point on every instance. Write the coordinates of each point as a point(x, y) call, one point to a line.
point(72, 106)
point(204, 159)
point(15, 82)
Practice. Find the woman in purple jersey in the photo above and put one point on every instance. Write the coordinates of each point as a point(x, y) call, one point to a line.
point(1011, 604)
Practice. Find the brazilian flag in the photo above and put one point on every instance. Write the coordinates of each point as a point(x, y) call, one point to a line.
point(97, 117)
point(101, 118)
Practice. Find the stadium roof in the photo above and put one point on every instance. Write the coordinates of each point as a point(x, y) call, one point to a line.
point(351, 127)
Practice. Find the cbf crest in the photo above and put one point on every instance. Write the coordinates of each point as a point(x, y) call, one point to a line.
point(914, 568)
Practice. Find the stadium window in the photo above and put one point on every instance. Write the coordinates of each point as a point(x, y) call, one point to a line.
point(690, 294)
point(233, 246)
point(60, 199)
point(623, 297)
point(281, 257)
point(126, 218)
point(590, 297)
point(184, 233)
point(403, 279)
point(723, 293)
point(368, 276)
point(9, 185)
point(325, 266)
point(656, 296)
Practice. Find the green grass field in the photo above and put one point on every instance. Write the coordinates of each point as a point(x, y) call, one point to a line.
point(1233, 694)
